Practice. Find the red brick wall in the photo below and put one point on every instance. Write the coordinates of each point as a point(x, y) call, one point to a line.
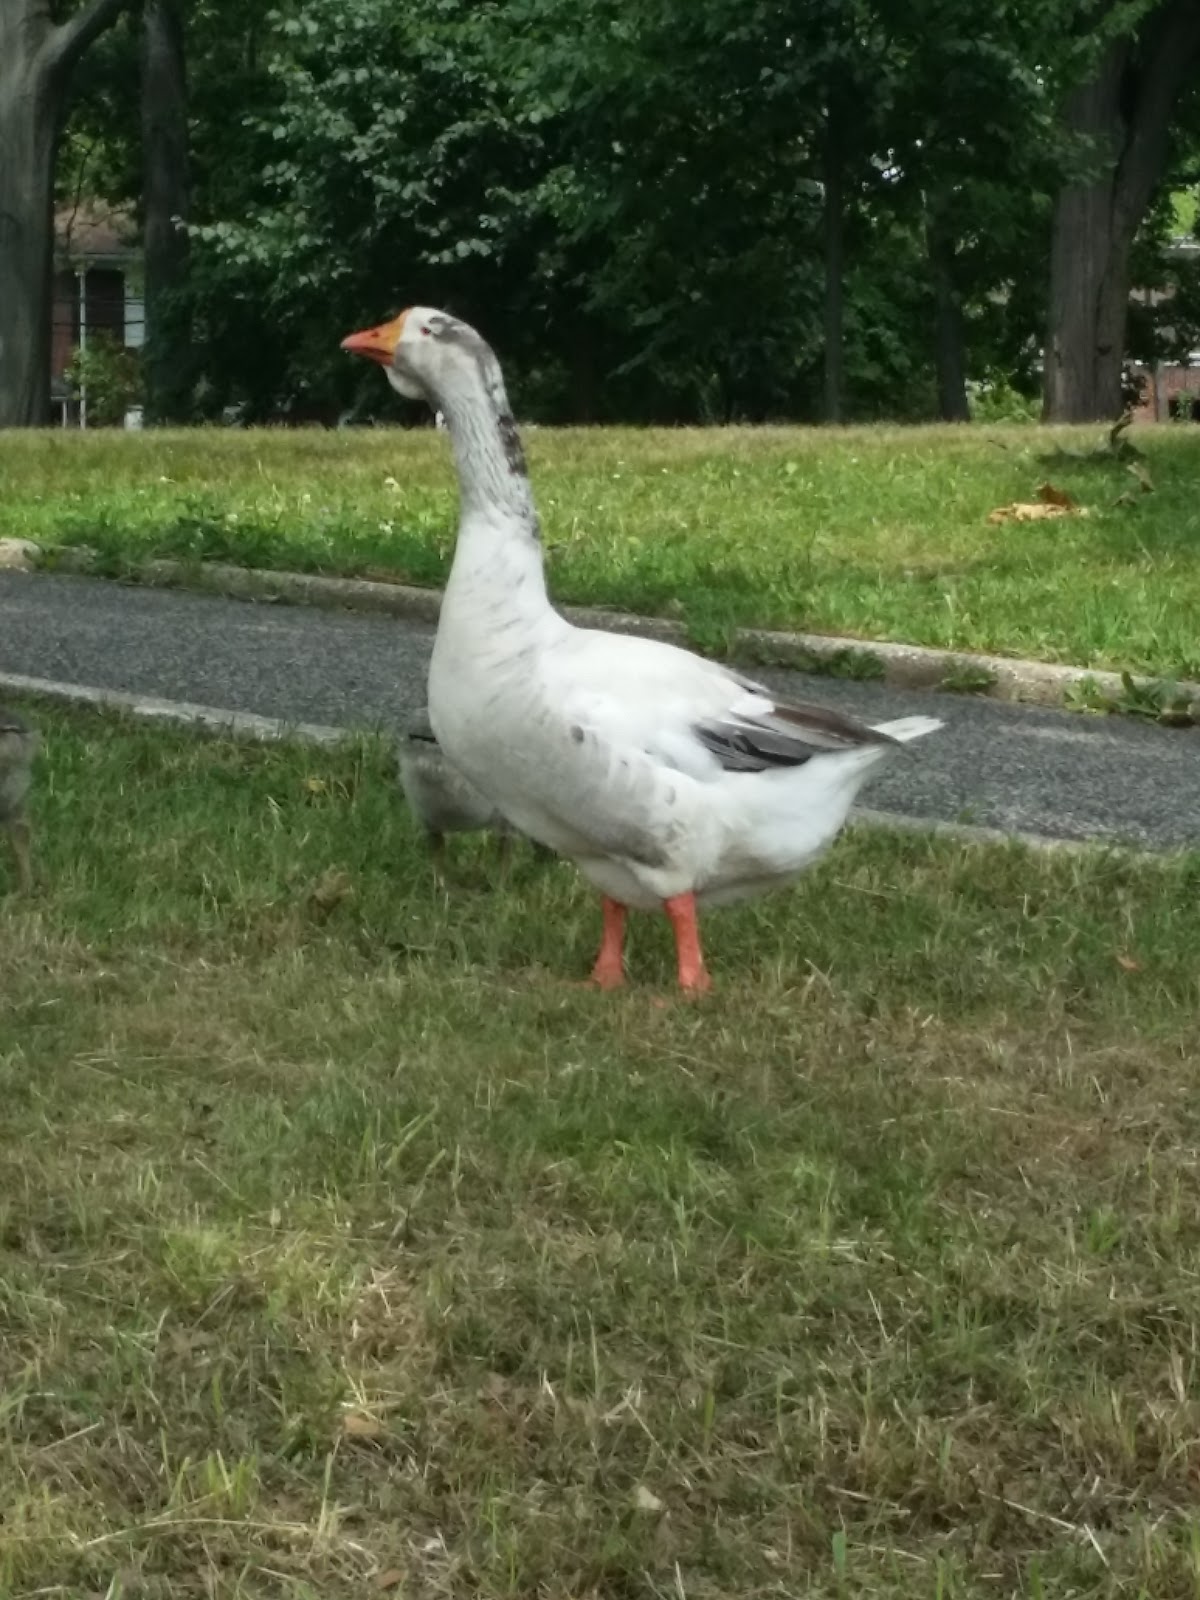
point(1174, 384)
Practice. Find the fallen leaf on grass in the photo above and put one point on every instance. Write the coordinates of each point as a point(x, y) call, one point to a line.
point(1050, 495)
point(1033, 512)
point(1128, 964)
point(355, 1425)
point(1130, 497)
point(389, 1579)
point(331, 888)
point(1051, 502)
point(645, 1500)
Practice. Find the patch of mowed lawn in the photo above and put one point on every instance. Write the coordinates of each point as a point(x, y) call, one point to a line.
point(346, 1245)
point(879, 533)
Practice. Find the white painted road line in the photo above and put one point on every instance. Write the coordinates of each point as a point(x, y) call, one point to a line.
point(243, 724)
point(247, 725)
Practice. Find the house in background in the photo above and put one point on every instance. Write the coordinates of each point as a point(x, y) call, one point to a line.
point(98, 290)
point(1169, 390)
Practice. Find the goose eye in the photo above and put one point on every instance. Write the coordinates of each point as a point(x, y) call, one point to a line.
point(426, 329)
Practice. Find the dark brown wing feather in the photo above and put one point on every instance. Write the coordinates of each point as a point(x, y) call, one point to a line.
point(787, 736)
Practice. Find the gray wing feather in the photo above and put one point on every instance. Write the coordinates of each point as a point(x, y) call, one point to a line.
point(787, 736)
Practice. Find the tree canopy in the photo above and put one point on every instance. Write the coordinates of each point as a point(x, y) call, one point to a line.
point(668, 210)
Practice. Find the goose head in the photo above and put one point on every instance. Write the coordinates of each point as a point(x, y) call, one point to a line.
point(429, 355)
point(425, 354)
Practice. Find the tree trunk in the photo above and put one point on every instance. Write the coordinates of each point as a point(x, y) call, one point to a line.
point(835, 231)
point(949, 347)
point(1089, 263)
point(36, 62)
point(1125, 111)
point(167, 362)
point(28, 145)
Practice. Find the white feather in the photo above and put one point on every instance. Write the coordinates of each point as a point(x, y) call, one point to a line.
point(905, 729)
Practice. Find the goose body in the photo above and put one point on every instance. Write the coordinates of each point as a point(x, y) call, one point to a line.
point(657, 772)
point(668, 779)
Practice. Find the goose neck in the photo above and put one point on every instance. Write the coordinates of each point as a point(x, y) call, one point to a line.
point(492, 477)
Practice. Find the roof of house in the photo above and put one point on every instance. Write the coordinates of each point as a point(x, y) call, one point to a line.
point(93, 231)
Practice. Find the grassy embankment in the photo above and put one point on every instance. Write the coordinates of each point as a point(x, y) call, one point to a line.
point(874, 533)
point(346, 1247)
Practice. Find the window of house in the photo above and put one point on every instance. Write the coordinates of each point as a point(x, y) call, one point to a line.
point(106, 303)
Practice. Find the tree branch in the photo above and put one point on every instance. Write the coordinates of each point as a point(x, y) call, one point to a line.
point(71, 38)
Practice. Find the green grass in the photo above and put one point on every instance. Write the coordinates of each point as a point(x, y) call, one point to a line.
point(347, 1247)
point(873, 533)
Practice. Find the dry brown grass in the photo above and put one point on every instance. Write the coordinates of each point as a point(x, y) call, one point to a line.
point(361, 1251)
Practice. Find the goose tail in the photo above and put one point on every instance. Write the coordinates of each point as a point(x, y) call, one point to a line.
point(905, 729)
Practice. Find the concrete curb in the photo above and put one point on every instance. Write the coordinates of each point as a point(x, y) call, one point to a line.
point(903, 666)
point(249, 725)
point(239, 724)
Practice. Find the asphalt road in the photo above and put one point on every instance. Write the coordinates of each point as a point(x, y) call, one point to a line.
point(1010, 767)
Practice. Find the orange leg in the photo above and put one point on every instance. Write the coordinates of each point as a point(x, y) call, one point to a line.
point(609, 971)
point(693, 974)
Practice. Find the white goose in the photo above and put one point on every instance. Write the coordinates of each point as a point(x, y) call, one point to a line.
point(668, 779)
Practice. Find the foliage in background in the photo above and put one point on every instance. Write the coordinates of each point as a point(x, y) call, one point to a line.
point(637, 199)
point(995, 399)
point(108, 377)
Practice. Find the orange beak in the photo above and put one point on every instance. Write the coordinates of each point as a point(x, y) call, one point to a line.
point(377, 344)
